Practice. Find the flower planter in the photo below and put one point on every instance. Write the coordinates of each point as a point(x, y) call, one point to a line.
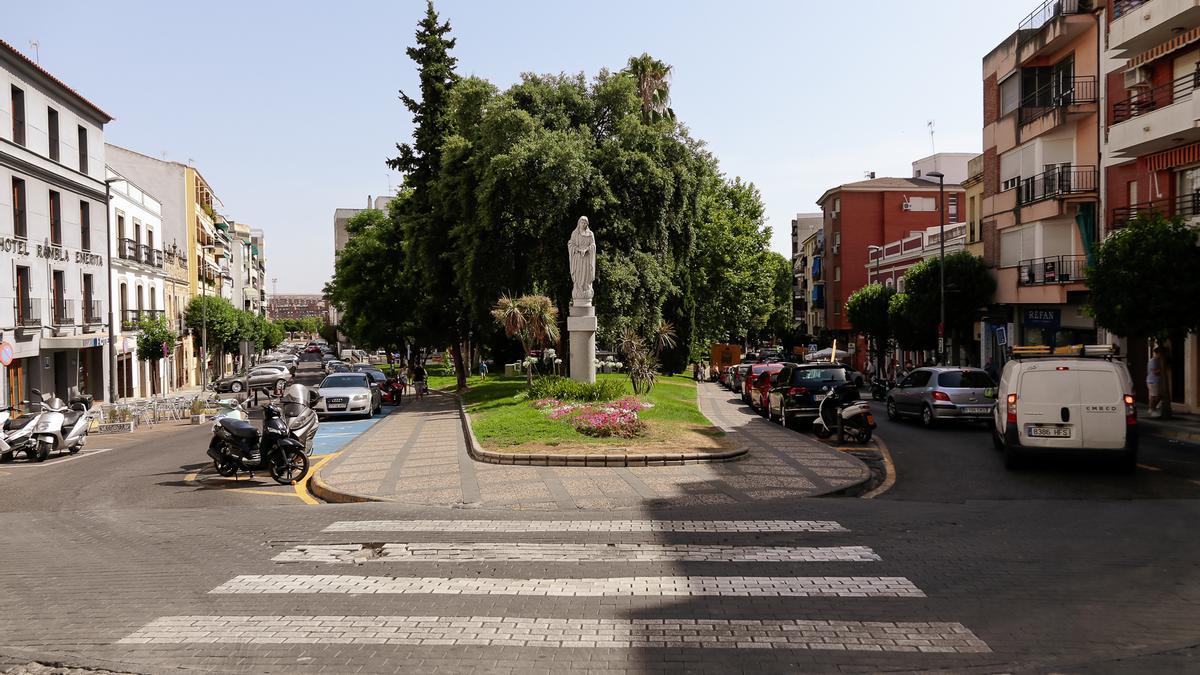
point(115, 427)
point(199, 419)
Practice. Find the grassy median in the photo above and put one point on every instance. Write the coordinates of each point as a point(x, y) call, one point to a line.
point(504, 422)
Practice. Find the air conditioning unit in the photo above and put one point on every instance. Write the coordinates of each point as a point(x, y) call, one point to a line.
point(1136, 78)
point(907, 206)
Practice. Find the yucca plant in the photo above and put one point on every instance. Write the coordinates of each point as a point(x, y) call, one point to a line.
point(531, 319)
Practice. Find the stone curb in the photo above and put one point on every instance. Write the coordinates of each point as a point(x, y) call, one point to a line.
point(479, 454)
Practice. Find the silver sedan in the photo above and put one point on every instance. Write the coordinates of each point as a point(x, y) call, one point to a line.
point(346, 394)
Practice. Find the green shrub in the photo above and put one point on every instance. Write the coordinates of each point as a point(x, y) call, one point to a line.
point(565, 389)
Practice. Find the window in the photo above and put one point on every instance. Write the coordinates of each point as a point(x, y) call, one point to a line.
point(24, 305)
point(83, 150)
point(153, 300)
point(55, 218)
point(18, 201)
point(52, 129)
point(18, 116)
point(57, 292)
point(121, 299)
point(85, 226)
point(90, 313)
point(965, 379)
point(922, 203)
point(1010, 184)
point(1010, 95)
point(953, 208)
point(837, 273)
point(120, 228)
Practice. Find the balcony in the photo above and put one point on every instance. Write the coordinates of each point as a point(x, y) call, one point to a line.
point(1156, 119)
point(128, 249)
point(1059, 269)
point(1074, 95)
point(1139, 25)
point(1051, 26)
point(1184, 206)
point(93, 314)
point(28, 312)
point(131, 318)
point(1057, 183)
point(62, 312)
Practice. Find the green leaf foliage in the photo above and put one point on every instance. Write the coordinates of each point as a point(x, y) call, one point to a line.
point(1144, 282)
point(867, 311)
point(565, 389)
point(152, 335)
point(969, 287)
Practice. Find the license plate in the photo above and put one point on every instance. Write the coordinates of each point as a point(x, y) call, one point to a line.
point(1049, 432)
point(976, 411)
point(818, 397)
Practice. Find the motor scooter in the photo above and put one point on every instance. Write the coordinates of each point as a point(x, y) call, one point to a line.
point(18, 434)
point(296, 406)
point(60, 427)
point(237, 445)
point(880, 387)
point(843, 413)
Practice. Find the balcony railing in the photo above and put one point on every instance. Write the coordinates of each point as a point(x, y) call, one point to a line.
point(1060, 93)
point(130, 318)
point(1059, 269)
point(128, 249)
point(1185, 206)
point(1057, 183)
point(62, 312)
point(1122, 7)
point(1143, 101)
point(1047, 12)
point(28, 312)
point(92, 313)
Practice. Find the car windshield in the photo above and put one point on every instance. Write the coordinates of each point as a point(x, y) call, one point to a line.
point(810, 376)
point(347, 380)
point(376, 375)
point(965, 379)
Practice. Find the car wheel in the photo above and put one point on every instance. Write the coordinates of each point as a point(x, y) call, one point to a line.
point(893, 413)
point(236, 387)
point(927, 418)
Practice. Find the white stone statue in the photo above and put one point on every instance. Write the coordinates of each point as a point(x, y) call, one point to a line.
point(582, 250)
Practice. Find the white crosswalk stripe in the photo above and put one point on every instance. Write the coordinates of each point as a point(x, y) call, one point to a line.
point(730, 526)
point(558, 587)
point(539, 552)
point(540, 632)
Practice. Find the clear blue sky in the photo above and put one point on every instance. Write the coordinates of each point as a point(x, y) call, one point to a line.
point(289, 108)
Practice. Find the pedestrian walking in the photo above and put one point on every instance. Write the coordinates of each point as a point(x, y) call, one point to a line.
point(420, 380)
point(483, 369)
point(870, 371)
point(1154, 381)
point(696, 370)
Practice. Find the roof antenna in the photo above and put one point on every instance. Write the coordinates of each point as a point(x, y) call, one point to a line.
point(37, 56)
point(932, 147)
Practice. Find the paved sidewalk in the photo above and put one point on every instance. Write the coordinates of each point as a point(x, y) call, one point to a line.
point(1180, 426)
point(418, 455)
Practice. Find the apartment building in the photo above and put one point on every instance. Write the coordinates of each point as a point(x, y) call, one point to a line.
point(189, 221)
point(1152, 143)
point(810, 284)
point(138, 281)
point(247, 268)
point(868, 213)
point(298, 306)
point(973, 187)
point(804, 226)
point(52, 239)
point(1041, 153)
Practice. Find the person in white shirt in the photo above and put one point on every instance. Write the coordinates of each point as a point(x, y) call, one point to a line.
point(1154, 378)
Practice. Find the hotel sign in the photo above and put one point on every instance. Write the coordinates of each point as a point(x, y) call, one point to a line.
point(20, 247)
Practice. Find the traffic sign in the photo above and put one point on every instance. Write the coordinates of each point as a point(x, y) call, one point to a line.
point(6, 353)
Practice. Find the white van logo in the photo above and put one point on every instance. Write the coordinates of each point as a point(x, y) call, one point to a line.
point(1100, 408)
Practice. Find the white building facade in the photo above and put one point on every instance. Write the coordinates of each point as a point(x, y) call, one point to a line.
point(54, 308)
point(136, 255)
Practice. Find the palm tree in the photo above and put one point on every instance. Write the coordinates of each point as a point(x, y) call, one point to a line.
point(651, 76)
point(531, 319)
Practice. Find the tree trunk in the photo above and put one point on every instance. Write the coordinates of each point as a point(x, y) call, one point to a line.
point(456, 355)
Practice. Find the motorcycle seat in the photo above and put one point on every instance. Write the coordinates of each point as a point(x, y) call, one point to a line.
point(238, 428)
point(18, 422)
point(71, 417)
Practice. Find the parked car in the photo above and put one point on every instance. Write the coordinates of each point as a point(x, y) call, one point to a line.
point(291, 367)
point(760, 388)
point(337, 367)
point(799, 388)
point(347, 394)
point(259, 377)
point(941, 394)
point(749, 380)
point(854, 375)
point(1068, 406)
point(312, 349)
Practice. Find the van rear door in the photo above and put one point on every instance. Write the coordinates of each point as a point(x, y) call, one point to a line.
point(1101, 397)
point(1048, 407)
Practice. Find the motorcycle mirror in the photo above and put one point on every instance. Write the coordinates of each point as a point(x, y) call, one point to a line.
point(36, 392)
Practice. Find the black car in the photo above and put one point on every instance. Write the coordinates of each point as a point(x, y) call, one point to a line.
point(798, 390)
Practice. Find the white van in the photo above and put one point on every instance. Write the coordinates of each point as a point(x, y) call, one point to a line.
point(1065, 405)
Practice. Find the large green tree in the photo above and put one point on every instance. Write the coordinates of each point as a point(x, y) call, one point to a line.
point(438, 311)
point(867, 310)
point(969, 287)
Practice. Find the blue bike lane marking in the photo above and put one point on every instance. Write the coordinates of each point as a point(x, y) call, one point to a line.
point(334, 434)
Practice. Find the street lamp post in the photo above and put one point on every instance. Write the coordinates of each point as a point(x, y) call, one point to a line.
point(204, 324)
point(878, 251)
point(941, 265)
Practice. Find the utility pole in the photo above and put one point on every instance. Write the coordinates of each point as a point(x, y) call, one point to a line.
point(941, 265)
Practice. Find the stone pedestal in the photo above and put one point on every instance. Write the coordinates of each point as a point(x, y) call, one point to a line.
point(581, 326)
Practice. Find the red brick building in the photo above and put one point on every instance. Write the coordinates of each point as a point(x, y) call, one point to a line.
point(871, 213)
point(297, 306)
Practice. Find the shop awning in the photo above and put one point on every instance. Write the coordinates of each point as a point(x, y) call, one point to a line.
point(75, 341)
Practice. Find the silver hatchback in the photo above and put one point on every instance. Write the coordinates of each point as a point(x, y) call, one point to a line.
point(943, 393)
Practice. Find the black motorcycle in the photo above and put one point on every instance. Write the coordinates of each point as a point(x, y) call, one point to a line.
point(880, 387)
point(237, 446)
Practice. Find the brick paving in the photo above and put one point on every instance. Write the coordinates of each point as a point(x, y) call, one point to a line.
point(418, 456)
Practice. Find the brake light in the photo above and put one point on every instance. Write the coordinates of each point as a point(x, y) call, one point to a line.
point(940, 396)
point(1063, 368)
point(1130, 411)
point(797, 391)
point(1012, 408)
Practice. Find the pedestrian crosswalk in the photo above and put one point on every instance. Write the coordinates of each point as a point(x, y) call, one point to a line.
point(716, 554)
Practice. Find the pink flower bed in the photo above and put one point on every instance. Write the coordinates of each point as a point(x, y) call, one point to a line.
point(614, 418)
